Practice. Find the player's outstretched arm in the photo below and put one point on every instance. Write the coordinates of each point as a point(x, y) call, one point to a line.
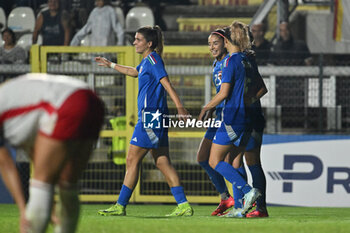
point(182, 112)
point(12, 181)
point(127, 70)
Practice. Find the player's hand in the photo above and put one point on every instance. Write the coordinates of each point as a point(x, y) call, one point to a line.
point(205, 114)
point(210, 114)
point(249, 53)
point(101, 61)
point(183, 114)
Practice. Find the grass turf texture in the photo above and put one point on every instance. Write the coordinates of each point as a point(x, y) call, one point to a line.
point(150, 219)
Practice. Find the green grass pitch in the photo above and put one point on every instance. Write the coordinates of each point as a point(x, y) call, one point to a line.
point(150, 219)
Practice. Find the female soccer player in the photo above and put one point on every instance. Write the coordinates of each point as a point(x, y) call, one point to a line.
point(219, 52)
point(236, 128)
point(56, 119)
point(153, 87)
point(256, 89)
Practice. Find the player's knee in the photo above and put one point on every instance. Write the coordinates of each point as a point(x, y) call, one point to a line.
point(159, 165)
point(199, 157)
point(213, 163)
point(131, 162)
point(163, 164)
point(68, 192)
point(202, 156)
point(203, 152)
point(252, 160)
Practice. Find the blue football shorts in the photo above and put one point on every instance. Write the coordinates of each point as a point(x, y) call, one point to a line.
point(148, 137)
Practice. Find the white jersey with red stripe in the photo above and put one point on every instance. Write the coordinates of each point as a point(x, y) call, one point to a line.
point(28, 105)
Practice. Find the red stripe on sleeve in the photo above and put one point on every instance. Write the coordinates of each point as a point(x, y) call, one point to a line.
point(153, 58)
point(23, 110)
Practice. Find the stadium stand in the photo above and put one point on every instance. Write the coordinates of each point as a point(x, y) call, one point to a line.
point(137, 17)
point(21, 19)
point(190, 24)
point(2, 19)
point(228, 2)
point(25, 41)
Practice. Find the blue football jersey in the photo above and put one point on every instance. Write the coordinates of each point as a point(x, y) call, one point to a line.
point(217, 80)
point(243, 125)
point(152, 95)
point(235, 70)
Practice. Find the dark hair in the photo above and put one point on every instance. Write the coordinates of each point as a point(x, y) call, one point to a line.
point(227, 33)
point(107, 2)
point(220, 32)
point(13, 35)
point(251, 38)
point(59, 5)
point(153, 34)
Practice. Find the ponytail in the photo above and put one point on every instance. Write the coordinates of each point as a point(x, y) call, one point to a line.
point(160, 45)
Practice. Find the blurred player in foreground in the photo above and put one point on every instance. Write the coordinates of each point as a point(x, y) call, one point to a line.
point(154, 85)
point(56, 119)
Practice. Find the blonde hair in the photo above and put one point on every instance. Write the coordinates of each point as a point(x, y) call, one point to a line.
point(240, 35)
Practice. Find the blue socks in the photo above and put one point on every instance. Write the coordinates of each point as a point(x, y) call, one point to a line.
point(238, 194)
point(259, 182)
point(179, 194)
point(214, 176)
point(230, 174)
point(124, 196)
